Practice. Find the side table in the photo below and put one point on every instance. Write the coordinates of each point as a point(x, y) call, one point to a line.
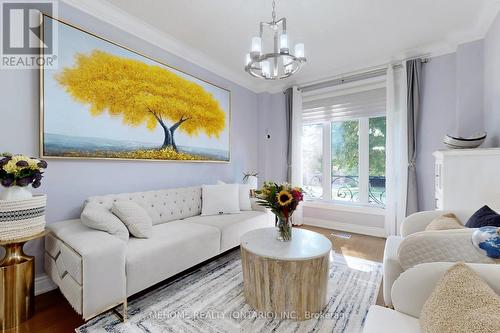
point(17, 277)
point(288, 279)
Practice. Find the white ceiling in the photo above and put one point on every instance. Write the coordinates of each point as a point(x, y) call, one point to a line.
point(340, 35)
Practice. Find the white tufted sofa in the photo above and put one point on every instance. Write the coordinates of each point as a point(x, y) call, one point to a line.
point(97, 271)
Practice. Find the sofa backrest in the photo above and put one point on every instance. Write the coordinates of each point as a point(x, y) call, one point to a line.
point(162, 205)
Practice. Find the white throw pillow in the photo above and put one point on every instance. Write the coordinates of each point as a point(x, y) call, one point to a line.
point(244, 195)
point(220, 199)
point(137, 220)
point(100, 218)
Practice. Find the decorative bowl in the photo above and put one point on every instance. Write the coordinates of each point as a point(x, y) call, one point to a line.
point(463, 143)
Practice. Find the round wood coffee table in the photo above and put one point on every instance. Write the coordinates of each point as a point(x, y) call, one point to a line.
point(288, 279)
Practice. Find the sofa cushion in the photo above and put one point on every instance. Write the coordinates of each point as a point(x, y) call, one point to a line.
point(100, 218)
point(220, 199)
point(162, 205)
point(445, 222)
point(484, 216)
point(137, 220)
point(173, 248)
point(461, 302)
point(244, 190)
point(232, 227)
point(380, 319)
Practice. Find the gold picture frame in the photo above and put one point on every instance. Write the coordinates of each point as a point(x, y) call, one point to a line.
point(42, 105)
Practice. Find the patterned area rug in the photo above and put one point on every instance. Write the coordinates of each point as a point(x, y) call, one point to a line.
point(210, 299)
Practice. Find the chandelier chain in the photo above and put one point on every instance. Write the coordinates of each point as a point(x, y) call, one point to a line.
point(274, 11)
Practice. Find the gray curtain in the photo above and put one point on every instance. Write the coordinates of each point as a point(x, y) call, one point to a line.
point(288, 110)
point(414, 77)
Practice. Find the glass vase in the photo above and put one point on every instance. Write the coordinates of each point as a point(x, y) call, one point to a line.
point(284, 230)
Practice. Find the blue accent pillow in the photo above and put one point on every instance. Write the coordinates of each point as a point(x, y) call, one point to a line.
point(487, 239)
point(485, 216)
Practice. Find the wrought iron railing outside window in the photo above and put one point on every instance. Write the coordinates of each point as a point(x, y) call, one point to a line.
point(346, 188)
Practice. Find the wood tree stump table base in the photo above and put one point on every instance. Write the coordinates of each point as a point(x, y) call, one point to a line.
point(286, 279)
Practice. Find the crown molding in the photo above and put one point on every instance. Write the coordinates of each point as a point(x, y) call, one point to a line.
point(483, 21)
point(117, 17)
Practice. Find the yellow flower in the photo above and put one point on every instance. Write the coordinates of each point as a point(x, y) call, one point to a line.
point(284, 198)
point(12, 168)
point(33, 164)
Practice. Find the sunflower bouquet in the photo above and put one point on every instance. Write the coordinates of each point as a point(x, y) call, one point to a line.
point(282, 200)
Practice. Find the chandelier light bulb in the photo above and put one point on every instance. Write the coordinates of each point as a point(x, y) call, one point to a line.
point(256, 45)
point(284, 43)
point(266, 69)
point(299, 50)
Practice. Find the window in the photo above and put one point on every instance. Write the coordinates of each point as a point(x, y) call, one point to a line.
point(345, 160)
point(312, 157)
point(344, 148)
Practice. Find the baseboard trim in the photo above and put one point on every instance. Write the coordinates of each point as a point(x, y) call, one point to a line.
point(43, 284)
point(355, 228)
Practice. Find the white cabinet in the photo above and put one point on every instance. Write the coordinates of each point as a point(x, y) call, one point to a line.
point(467, 179)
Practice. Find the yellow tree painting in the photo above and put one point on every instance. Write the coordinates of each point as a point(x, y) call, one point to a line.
point(124, 97)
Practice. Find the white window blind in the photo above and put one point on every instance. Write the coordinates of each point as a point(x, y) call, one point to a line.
point(368, 103)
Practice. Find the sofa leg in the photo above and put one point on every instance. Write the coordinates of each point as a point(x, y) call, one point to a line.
point(122, 315)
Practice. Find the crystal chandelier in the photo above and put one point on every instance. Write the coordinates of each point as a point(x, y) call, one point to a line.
point(279, 63)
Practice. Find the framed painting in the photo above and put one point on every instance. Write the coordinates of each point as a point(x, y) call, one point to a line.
point(105, 101)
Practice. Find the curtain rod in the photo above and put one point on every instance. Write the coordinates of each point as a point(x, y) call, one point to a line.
point(357, 76)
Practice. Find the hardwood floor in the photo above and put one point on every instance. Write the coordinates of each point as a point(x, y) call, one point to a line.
point(361, 246)
point(53, 313)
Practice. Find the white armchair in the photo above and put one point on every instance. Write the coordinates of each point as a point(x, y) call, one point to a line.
point(415, 247)
point(411, 290)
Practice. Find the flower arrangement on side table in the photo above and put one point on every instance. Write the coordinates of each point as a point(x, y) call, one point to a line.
point(283, 200)
point(18, 172)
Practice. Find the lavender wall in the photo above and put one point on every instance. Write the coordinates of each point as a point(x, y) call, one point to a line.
point(452, 103)
point(272, 149)
point(69, 182)
point(492, 84)
point(470, 87)
point(437, 118)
